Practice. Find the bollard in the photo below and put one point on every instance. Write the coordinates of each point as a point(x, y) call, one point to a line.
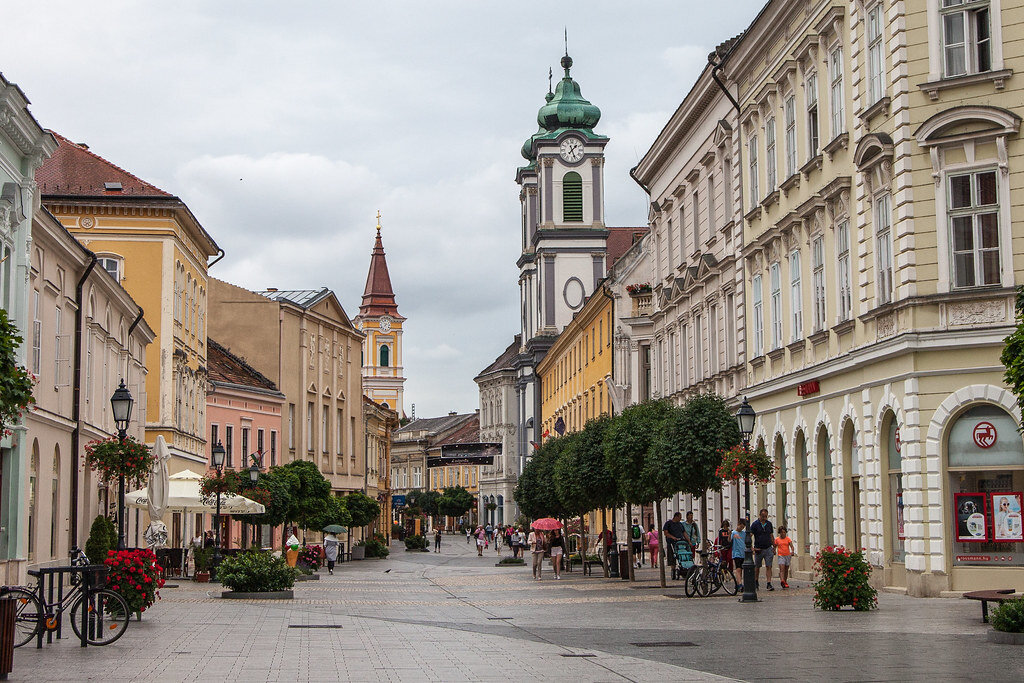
point(8, 610)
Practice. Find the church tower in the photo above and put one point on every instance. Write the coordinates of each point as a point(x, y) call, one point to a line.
point(564, 238)
point(383, 381)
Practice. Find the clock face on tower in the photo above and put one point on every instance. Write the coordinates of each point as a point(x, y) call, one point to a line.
point(385, 325)
point(571, 150)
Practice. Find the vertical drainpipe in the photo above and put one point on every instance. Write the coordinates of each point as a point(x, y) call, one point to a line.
point(76, 398)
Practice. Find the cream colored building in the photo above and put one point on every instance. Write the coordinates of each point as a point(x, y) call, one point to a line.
point(304, 342)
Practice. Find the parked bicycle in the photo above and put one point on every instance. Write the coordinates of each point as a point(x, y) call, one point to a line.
point(710, 576)
point(107, 612)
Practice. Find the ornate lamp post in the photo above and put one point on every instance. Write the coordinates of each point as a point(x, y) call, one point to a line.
point(218, 454)
point(121, 404)
point(745, 417)
point(254, 477)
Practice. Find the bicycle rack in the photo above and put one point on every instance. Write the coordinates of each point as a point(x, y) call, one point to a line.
point(50, 580)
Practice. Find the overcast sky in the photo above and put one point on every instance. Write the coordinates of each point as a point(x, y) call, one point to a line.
point(285, 126)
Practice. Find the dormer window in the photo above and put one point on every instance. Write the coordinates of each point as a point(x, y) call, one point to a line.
point(113, 187)
point(112, 265)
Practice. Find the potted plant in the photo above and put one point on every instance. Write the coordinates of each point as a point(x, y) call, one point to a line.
point(843, 580)
point(310, 556)
point(135, 575)
point(202, 557)
point(256, 574)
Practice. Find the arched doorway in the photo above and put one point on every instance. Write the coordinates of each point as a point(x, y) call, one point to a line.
point(803, 536)
point(781, 482)
point(892, 489)
point(826, 489)
point(851, 487)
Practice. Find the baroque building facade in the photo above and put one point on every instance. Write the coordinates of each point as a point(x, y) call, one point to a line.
point(498, 424)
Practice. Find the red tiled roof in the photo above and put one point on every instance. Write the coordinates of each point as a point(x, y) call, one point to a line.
point(76, 171)
point(467, 433)
point(620, 240)
point(378, 297)
point(224, 366)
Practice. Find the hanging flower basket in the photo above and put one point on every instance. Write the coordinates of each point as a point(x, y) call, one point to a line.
point(16, 383)
point(741, 463)
point(112, 459)
point(639, 288)
point(228, 481)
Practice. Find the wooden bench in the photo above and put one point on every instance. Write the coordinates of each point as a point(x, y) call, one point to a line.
point(986, 597)
point(587, 564)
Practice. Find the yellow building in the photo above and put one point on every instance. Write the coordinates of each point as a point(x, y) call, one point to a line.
point(379, 320)
point(577, 370)
point(379, 421)
point(153, 245)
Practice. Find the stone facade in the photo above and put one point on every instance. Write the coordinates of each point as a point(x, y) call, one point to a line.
point(498, 419)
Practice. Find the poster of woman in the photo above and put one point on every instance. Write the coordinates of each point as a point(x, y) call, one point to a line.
point(971, 526)
point(1008, 524)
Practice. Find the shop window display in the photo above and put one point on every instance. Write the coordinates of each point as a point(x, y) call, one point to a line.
point(985, 457)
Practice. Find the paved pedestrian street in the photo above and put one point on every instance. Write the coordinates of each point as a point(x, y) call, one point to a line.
point(456, 617)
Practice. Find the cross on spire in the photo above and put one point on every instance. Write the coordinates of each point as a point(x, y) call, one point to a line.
point(378, 221)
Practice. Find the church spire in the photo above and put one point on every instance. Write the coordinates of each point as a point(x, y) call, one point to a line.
point(378, 297)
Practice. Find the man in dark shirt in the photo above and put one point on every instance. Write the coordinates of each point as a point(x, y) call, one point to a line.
point(764, 547)
point(673, 531)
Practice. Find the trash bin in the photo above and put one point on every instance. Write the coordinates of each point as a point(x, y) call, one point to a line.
point(7, 613)
point(624, 564)
point(613, 563)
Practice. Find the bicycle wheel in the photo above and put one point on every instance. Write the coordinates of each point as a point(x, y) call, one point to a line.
point(26, 614)
point(107, 620)
point(689, 582)
point(729, 583)
point(714, 580)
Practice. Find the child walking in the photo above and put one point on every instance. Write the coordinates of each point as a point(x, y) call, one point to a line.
point(784, 551)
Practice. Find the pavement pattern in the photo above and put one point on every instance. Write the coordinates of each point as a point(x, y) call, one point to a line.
point(453, 616)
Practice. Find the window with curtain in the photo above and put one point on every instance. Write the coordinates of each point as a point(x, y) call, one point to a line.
point(796, 296)
point(974, 223)
point(755, 196)
point(818, 275)
point(771, 158)
point(789, 110)
point(572, 197)
point(775, 273)
point(811, 96)
point(876, 56)
point(837, 95)
point(966, 37)
point(843, 270)
point(758, 316)
point(883, 247)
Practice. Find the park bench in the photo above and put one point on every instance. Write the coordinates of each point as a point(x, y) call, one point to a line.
point(587, 564)
point(986, 597)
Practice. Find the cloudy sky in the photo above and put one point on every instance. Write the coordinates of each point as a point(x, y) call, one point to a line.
point(286, 126)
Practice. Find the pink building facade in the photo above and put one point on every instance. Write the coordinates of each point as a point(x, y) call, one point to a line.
point(244, 413)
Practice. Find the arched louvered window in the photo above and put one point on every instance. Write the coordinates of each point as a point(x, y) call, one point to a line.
point(572, 197)
point(385, 356)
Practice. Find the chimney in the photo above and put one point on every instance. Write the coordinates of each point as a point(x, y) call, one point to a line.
point(271, 289)
point(452, 413)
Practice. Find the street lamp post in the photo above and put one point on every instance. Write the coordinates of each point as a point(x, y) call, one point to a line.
point(218, 454)
point(745, 418)
point(254, 476)
point(121, 405)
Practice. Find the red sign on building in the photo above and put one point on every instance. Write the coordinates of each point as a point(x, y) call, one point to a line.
point(808, 388)
point(985, 434)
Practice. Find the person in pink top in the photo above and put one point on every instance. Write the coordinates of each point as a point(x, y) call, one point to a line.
point(653, 543)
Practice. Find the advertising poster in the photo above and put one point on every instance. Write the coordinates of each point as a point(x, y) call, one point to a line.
point(971, 523)
point(1006, 513)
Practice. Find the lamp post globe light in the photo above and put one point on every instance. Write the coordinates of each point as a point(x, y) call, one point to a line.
point(254, 477)
point(217, 453)
point(121, 405)
point(745, 418)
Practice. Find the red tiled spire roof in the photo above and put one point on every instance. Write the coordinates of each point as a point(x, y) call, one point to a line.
point(73, 170)
point(378, 297)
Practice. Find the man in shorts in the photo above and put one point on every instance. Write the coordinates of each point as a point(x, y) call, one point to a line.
point(636, 535)
point(673, 531)
point(764, 547)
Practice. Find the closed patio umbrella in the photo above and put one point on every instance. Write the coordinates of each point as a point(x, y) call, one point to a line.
point(156, 493)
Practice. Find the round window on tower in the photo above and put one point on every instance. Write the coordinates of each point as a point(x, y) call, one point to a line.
point(573, 293)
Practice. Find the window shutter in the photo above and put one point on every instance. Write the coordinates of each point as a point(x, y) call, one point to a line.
point(572, 198)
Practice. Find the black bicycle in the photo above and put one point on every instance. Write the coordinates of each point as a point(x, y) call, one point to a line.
point(710, 575)
point(107, 618)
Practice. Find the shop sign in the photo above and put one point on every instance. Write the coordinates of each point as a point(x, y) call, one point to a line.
point(984, 435)
point(808, 388)
point(974, 558)
point(398, 501)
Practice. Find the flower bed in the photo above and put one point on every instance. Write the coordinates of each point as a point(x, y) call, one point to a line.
point(843, 580)
point(311, 556)
point(135, 575)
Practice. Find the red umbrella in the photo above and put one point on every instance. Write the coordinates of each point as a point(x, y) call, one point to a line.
point(547, 524)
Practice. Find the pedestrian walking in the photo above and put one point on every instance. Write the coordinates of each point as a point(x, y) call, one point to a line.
point(481, 541)
point(521, 539)
point(538, 545)
point(691, 533)
point(437, 541)
point(764, 548)
point(557, 551)
point(739, 549)
point(725, 545)
point(469, 533)
point(673, 531)
point(784, 549)
point(636, 534)
point(653, 544)
point(489, 530)
point(331, 551)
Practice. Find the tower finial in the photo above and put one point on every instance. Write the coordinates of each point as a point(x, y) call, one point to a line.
point(566, 28)
point(378, 221)
point(566, 60)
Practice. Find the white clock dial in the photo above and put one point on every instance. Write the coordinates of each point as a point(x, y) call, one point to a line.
point(385, 325)
point(571, 149)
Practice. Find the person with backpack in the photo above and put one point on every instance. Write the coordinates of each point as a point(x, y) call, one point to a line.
point(636, 535)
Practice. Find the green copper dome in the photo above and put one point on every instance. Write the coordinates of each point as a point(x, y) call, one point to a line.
point(564, 108)
point(567, 108)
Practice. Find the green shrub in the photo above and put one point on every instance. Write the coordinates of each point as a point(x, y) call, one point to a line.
point(375, 548)
point(416, 542)
point(512, 561)
point(1009, 616)
point(397, 530)
point(102, 537)
point(256, 572)
point(203, 557)
point(843, 580)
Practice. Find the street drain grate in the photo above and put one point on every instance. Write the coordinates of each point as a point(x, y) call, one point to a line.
point(665, 643)
point(498, 618)
point(573, 655)
point(314, 626)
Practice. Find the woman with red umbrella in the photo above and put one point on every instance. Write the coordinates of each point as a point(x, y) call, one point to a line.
point(539, 542)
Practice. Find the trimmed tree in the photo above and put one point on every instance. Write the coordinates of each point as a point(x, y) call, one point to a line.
point(1013, 353)
point(687, 451)
point(454, 501)
point(310, 492)
point(627, 442)
point(534, 493)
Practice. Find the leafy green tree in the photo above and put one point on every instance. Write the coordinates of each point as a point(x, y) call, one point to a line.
point(334, 511)
point(310, 492)
point(363, 509)
point(455, 501)
point(627, 442)
point(535, 493)
point(687, 450)
point(424, 501)
point(16, 383)
point(582, 480)
point(277, 500)
point(1013, 353)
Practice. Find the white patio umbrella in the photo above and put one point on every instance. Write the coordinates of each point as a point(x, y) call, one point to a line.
point(183, 496)
point(156, 534)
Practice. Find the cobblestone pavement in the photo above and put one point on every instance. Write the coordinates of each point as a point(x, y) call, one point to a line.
point(456, 617)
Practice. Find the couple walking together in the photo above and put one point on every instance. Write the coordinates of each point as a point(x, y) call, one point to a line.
point(540, 543)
